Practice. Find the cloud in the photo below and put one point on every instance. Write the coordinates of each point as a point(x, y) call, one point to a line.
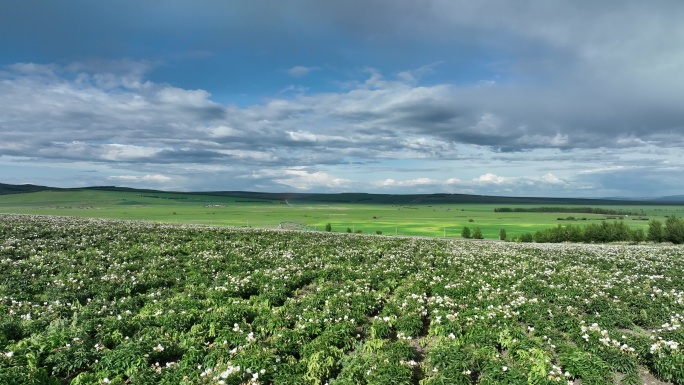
point(406, 183)
point(134, 121)
point(485, 92)
point(157, 178)
point(494, 184)
point(300, 71)
point(304, 180)
point(490, 178)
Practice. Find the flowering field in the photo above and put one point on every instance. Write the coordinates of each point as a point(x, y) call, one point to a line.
point(94, 301)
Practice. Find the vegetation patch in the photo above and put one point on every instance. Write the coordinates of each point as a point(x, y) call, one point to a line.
point(87, 301)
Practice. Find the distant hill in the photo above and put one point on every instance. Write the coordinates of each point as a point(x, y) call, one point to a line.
point(399, 199)
point(22, 188)
point(406, 199)
point(671, 198)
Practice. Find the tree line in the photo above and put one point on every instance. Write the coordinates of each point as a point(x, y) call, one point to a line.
point(573, 210)
point(610, 231)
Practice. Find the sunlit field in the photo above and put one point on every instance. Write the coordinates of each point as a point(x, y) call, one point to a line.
point(421, 219)
point(89, 301)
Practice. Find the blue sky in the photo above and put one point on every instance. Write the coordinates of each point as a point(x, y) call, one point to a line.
point(525, 98)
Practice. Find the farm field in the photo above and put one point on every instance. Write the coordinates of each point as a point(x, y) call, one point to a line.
point(92, 301)
point(421, 219)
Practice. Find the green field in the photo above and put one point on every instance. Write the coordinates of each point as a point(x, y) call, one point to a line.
point(418, 219)
point(96, 302)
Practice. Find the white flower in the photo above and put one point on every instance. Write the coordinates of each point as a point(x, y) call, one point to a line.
point(9, 354)
point(106, 380)
point(505, 368)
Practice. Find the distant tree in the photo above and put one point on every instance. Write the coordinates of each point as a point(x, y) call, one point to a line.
point(477, 234)
point(655, 231)
point(527, 238)
point(378, 232)
point(638, 235)
point(592, 233)
point(349, 230)
point(465, 233)
point(502, 234)
point(573, 234)
point(328, 227)
point(674, 230)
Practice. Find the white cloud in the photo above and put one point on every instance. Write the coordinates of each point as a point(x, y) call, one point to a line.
point(223, 131)
point(300, 71)
point(552, 179)
point(120, 152)
point(304, 180)
point(186, 98)
point(62, 114)
point(406, 183)
point(156, 178)
point(487, 181)
point(492, 178)
point(599, 170)
point(298, 136)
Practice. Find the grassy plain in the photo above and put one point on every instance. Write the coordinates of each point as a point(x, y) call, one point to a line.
point(420, 219)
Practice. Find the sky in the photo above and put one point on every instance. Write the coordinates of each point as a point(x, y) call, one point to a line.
point(575, 98)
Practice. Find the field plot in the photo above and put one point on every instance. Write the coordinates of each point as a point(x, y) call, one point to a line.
point(87, 301)
point(398, 217)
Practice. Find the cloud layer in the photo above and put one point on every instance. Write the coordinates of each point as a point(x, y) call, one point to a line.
point(537, 98)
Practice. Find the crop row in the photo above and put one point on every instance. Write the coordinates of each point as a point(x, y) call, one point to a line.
point(95, 302)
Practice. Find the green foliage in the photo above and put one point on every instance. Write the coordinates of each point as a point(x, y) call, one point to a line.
point(401, 216)
point(477, 233)
point(580, 210)
point(140, 303)
point(465, 233)
point(527, 237)
point(322, 364)
point(638, 235)
point(328, 227)
point(607, 231)
point(674, 230)
point(656, 233)
point(502, 234)
point(588, 367)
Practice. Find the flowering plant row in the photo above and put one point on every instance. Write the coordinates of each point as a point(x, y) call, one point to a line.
point(87, 301)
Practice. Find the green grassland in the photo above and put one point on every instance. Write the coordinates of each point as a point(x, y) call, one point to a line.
point(359, 213)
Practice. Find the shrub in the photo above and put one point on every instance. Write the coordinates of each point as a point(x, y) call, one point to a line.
point(527, 238)
point(477, 234)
